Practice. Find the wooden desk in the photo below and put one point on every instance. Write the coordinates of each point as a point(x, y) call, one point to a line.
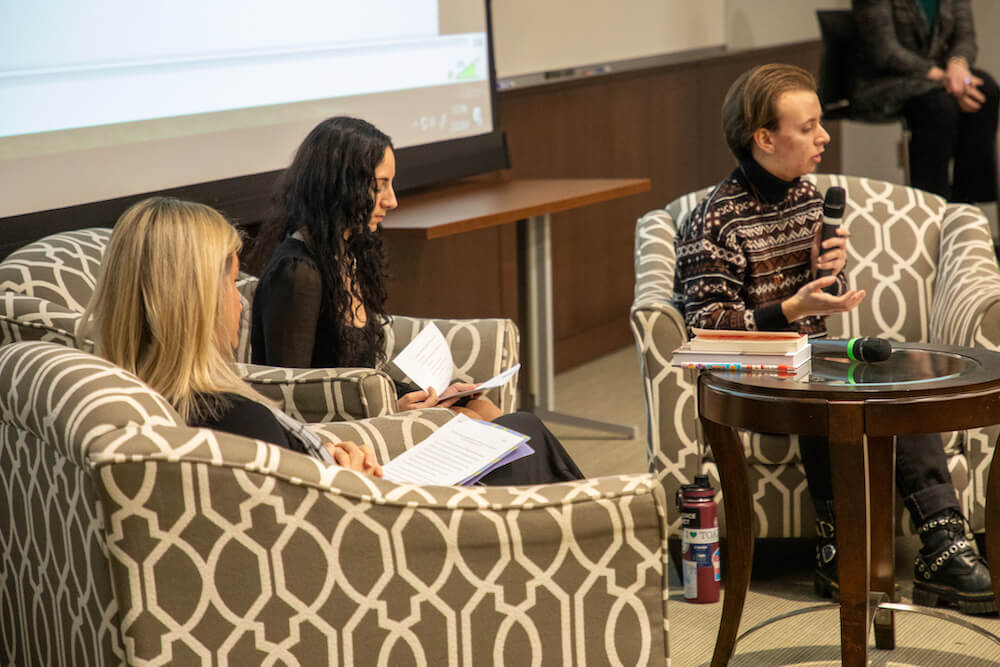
point(468, 207)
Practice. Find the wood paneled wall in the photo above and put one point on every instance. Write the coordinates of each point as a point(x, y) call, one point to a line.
point(662, 123)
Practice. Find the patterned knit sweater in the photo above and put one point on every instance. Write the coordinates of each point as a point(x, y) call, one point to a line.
point(744, 249)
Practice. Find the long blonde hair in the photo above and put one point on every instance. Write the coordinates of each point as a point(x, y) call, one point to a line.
point(157, 307)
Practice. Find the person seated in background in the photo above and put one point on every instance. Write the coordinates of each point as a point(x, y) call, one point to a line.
point(166, 309)
point(320, 301)
point(747, 258)
point(916, 60)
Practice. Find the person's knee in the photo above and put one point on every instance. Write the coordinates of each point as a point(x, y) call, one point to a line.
point(989, 88)
point(936, 111)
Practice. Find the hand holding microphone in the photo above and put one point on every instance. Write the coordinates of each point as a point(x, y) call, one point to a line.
point(833, 213)
point(820, 298)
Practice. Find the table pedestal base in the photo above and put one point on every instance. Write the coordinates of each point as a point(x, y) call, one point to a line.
point(879, 606)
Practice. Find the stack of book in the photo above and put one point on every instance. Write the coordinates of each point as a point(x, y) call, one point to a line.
point(785, 352)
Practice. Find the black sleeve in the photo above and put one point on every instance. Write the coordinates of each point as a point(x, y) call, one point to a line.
point(250, 419)
point(771, 318)
point(289, 304)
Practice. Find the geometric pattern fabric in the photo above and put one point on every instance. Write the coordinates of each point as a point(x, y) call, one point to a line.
point(127, 537)
point(45, 286)
point(930, 274)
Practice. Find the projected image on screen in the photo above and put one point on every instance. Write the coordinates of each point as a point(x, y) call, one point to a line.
point(211, 90)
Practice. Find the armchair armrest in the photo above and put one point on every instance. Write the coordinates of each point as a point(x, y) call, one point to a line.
point(389, 435)
point(25, 318)
point(324, 394)
point(966, 311)
point(282, 552)
point(966, 307)
point(481, 348)
point(658, 327)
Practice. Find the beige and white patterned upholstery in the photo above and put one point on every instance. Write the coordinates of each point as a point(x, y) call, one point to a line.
point(480, 349)
point(45, 286)
point(129, 538)
point(930, 274)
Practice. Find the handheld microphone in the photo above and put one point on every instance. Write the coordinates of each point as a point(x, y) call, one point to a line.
point(855, 349)
point(833, 211)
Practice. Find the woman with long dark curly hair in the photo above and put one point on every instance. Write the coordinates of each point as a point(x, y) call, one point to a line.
point(320, 301)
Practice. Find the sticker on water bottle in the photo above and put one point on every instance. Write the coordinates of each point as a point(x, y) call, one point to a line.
point(701, 535)
point(701, 555)
point(716, 564)
point(690, 579)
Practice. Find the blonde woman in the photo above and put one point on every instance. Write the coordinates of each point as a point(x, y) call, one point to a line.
point(166, 308)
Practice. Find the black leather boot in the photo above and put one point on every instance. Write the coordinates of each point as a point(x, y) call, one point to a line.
point(948, 570)
point(825, 581)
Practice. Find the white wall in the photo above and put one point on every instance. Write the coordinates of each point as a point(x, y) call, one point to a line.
point(758, 23)
point(532, 36)
point(986, 14)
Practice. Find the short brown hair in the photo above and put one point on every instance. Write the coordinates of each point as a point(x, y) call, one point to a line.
point(752, 102)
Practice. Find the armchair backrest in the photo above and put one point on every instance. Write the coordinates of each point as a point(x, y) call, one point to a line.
point(60, 269)
point(893, 254)
point(46, 285)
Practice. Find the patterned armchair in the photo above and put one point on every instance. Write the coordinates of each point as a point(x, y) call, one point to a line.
point(127, 537)
point(45, 286)
point(930, 274)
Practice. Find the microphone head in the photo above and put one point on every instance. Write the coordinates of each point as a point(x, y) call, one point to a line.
point(833, 205)
point(873, 349)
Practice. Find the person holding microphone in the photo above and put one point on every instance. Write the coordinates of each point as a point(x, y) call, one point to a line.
point(750, 256)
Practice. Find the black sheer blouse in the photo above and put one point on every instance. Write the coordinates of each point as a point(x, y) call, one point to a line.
point(289, 327)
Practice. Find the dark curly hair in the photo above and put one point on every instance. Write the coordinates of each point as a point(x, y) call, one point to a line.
point(329, 191)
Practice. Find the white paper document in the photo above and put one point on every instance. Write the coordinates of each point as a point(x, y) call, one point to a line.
point(428, 362)
point(496, 381)
point(460, 451)
point(427, 359)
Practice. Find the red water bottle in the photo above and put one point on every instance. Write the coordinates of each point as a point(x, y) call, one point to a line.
point(700, 540)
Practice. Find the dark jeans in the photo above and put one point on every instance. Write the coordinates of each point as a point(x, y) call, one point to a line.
point(922, 475)
point(940, 131)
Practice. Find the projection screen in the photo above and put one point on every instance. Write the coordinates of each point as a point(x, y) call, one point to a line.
point(103, 99)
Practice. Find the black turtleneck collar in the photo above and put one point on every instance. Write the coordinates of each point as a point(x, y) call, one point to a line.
point(763, 183)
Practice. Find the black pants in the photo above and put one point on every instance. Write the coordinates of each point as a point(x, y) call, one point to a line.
point(550, 462)
point(922, 475)
point(940, 132)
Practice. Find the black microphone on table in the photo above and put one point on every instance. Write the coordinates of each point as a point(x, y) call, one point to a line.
point(855, 349)
point(833, 212)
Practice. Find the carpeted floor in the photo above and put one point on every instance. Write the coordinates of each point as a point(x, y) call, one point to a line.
point(610, 389)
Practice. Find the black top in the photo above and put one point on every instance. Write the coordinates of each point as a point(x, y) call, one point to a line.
point(241, 416)
point(765, 185)
point(290, 327)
